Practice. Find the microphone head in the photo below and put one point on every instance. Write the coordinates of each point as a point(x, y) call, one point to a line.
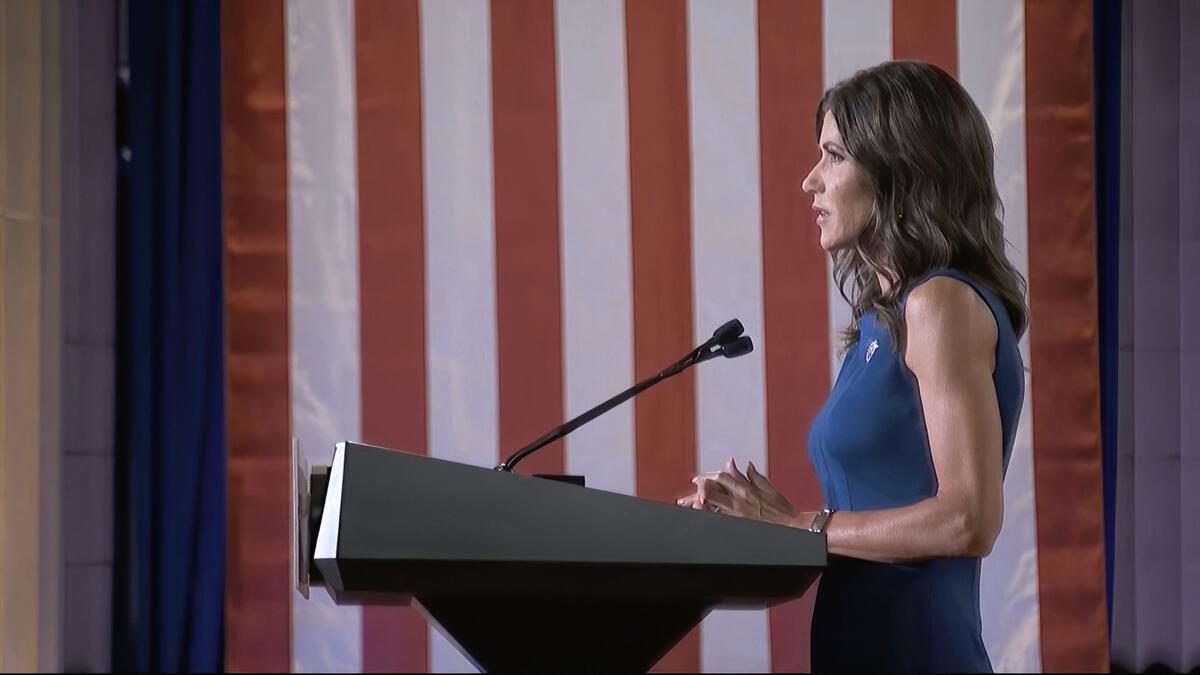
point(739, 347)
point(728, 332)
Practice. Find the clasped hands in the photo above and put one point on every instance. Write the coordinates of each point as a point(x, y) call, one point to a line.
point(746, 495)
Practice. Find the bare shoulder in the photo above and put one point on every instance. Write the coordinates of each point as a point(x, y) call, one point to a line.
point(947, 323)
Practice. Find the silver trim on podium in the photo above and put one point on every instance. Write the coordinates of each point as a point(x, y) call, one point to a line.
point(327, 536)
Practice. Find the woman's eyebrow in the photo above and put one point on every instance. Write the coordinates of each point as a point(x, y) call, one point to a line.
point(830, 146)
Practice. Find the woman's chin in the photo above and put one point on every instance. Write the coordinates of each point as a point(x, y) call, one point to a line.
point(836, 239)
point(829, 242)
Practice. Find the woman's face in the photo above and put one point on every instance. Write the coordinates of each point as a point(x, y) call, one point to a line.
point(841, 193)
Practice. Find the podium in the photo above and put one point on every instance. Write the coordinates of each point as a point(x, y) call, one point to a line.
point(526, 574)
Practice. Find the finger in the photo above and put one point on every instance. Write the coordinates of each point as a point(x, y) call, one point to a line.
point(731, 468)
point(756, 479)
point(719, 483)
point(731, 483)
point(705, 487)
point(688, 500)
point(713, 481)
point(721, 502)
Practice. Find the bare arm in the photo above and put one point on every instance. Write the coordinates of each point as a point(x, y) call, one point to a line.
point(951, 346)
point(951, 342)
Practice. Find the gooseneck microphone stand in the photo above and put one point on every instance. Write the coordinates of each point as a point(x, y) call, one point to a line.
point(726, 341)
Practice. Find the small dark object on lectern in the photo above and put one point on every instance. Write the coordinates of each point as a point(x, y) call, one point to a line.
point(562, 478)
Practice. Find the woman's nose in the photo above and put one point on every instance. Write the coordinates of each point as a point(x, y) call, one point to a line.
point(811, 184)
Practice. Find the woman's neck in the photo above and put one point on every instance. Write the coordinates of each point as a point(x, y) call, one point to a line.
point(884, 284)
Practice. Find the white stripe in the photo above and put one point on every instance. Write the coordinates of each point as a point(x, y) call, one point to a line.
point(323, 271)
point(727, 276)
point(459, 241)
point(856, 34)
point(596, 265)
point(991, 40)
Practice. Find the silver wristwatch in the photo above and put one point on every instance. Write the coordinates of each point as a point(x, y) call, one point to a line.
point(821, 520)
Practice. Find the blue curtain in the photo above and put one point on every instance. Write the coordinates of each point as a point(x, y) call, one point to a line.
point(170, 471)
point(1106, 37)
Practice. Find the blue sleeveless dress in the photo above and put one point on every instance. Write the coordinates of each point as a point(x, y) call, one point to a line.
point(870, 449)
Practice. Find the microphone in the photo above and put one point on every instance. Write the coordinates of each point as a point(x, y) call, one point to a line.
point(727, 341)
point(728, 332)
point(739, 347)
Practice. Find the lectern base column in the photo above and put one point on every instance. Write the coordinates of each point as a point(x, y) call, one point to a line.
point(505, 634)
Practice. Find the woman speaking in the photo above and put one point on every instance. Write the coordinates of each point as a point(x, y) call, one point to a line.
point(913, 442)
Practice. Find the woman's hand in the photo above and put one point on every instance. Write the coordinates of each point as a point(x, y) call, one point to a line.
point(747, 495)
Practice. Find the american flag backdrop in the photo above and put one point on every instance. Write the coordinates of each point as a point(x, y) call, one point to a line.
point(451, 224)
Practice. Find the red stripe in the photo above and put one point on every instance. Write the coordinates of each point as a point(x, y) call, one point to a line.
point(257, 406)
point(528, 297)
point(926, 30)
point(1063, 336)
point(795, 302)
point(660, 203)
point(391, 260)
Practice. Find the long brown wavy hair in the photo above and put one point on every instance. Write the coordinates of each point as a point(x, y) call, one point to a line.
point(927, 154)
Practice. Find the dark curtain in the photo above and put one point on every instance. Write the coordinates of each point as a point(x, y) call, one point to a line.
point(1156, 616)
point(1107, 82)
point(170, 506)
